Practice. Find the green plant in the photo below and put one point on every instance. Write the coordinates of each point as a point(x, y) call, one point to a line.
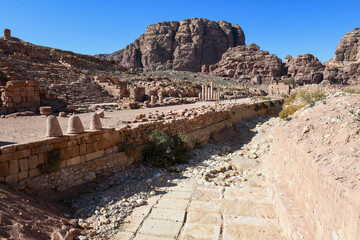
point(164, 150)
point(285, 96)
point(265, 98)
point(289, 110)
point(352, 90)
point(291, 82)
point(312, 104)
point(53, 162)
point(290, 99)
point(128, 148)
point(309, 97)
point(288, 119)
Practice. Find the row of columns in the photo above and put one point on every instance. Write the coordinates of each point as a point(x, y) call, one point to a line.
point(207, 92)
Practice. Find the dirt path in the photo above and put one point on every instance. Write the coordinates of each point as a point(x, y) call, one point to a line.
point(220, 194)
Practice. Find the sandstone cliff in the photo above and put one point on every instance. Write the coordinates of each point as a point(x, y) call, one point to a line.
point(305, 69)
point(248, 63)
point(344, 67)
point(184, 45)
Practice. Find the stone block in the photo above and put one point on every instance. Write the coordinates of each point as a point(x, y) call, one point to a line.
point(7, 157)
point(201, 231)
point(12, 178)
point(168, 214)
point(9, 149)
point(73, 161)
point(82, 149)
point(160, 228)
point(34, 172)
point(23, 175)
point(22, 154)
point(89, 147)
point(94, 155)
point(46, 110)
point(33, 162)
point(23, 164)
point(4, 169)
point(13, 166)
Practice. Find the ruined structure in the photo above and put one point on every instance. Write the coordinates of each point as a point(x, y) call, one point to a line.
point(278, 88)
point(18, 96)
point(7, 34)
point(184, 45)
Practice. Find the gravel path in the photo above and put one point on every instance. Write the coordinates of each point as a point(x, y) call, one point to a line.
point(220, 194)
point(33, 128)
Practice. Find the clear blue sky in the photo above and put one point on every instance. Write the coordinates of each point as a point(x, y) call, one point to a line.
point(100, 26)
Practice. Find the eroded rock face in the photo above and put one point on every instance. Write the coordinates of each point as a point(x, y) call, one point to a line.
point(248, 63)
point(344, 67)
point(184, 45)
point(305, 69)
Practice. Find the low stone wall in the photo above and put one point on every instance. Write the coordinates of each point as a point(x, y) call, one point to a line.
point(95, 153)
point(310, 202)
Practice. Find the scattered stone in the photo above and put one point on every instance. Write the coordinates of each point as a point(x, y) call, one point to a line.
point(45, 110)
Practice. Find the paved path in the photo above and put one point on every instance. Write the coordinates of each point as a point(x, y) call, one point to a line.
point(190, 210)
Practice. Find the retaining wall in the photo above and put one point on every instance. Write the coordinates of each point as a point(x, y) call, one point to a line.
point(310, 202)
point(86, 156)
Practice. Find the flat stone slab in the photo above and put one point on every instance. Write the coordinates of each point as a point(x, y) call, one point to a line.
point(200, 231)
point(168, 214)
point(248, 208)
point(203, 218)
point(123, 235)
point(251, 228)
point(131, 224)
point(208, 194)
point(178, 195)
point(160, 228)
point(255, 194)
point(172, 203)
point(147, 237)
point(208, 207)
point(142, 211)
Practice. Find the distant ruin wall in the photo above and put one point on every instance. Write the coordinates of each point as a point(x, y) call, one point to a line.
point(328, 210)
point(86, 156)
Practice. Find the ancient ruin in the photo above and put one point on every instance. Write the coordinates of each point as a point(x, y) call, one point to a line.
point(186, 133)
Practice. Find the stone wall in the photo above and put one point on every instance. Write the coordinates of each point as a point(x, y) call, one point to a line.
point(310, 201)
point(95, 153)
point(23, 96)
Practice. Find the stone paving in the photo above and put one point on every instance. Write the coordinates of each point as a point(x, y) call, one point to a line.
point(192, 210)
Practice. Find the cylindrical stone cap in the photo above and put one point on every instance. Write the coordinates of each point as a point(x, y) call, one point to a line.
point(95, 123)
point(75, 125)
point(53, 128)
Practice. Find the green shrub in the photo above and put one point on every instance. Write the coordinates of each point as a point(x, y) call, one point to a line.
point(128, 148)
point(53, 162)
point(309, 97)
point(289, 110)
point(164, 150)
point(265, 98)
point(352, 90)
point(290, 99)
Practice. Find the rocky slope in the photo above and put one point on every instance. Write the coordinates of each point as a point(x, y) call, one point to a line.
point(67, 74)
point(184, 45)
point(248, 63)
point(305, 69)
point(344, 67)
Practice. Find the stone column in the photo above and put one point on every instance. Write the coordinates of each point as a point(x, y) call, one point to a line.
point(75, 125)
point(202, 92)
point(53, 128)
point(161, 99)
point(153, 99)
point(209, 93)
point(206, 93)
point(199, 96)
point(95, 123)
point(7, 34)
point(212, 90)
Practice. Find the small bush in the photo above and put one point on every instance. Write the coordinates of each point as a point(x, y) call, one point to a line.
point(290, 99)
point(289, 110)
point(265, 98)
point(309, 97)
point(164, 150)
point(352, 90)
point(285, 96)
point(128, 148)
point(53, 163)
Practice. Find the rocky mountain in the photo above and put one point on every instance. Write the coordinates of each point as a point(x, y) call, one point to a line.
point(247, 63)
point(344, 67)
point(184, 45)
point(305, 69)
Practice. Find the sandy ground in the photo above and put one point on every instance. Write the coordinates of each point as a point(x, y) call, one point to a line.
point(33, 128)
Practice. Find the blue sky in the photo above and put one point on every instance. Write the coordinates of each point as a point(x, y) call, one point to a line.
point(100, 26)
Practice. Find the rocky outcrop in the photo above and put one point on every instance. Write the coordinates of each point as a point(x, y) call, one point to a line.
point(305, 69)
point(344, 67)
point(247, 63)
point(184, 45)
